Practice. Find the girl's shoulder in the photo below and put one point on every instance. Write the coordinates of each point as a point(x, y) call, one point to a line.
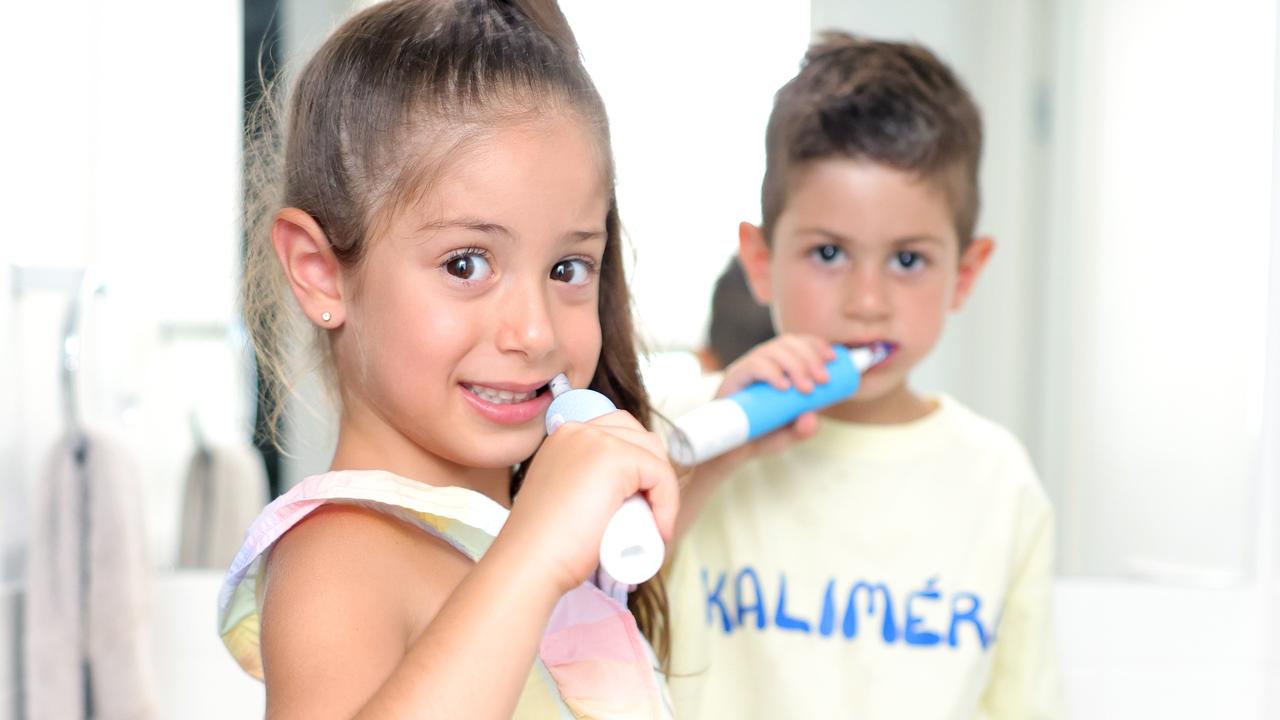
point(344, 592)
point(364, 562)
point(351, 551)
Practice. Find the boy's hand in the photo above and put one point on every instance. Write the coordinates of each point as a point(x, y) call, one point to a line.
point(784, 361)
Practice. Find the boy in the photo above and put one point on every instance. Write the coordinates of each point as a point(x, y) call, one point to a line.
point(895, 564)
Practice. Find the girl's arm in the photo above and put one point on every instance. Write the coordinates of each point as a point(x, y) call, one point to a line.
point(341, 609)
point(340, 616)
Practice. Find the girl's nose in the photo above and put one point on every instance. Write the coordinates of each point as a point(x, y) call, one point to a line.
point(524, 323)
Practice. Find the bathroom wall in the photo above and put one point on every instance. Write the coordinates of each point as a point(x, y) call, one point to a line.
point(121, 137)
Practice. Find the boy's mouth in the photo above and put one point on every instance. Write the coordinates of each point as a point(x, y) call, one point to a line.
point(885, 348)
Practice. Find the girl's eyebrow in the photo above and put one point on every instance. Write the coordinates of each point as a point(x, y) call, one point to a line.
point(469, 223)
point(580, 236)
point(491, 228)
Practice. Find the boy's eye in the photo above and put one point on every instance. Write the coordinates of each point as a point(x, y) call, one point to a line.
point(827, 254)
point(470, 266)
point(577, 271)
point(907, 260)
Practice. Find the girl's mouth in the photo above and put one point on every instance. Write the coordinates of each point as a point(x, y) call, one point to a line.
point(504, 397)
point(508, 404)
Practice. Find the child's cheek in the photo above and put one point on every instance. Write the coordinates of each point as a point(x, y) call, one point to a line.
point(806, 305)
point(579, 336)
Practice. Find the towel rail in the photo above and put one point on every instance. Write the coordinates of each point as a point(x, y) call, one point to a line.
point(83, 284)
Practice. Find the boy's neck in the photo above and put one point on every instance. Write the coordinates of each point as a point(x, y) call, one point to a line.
point(897, 406)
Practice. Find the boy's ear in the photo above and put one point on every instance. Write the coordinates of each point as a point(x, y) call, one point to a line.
point(313, 271)
point(753, 253)
point(972, 261)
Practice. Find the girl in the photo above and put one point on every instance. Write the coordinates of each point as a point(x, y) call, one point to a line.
point(449, 225)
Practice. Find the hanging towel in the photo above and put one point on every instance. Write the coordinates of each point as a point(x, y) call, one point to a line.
point(85, 639)
point(226, 488)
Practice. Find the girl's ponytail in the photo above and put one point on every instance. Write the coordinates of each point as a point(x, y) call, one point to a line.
point(547, 17)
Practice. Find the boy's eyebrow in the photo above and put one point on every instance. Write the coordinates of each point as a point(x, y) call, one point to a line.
point(908, 240)
point(911, 239)
point(823, 232)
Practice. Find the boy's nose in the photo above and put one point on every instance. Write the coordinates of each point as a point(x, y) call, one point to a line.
point(866, 296)
point(524, 323)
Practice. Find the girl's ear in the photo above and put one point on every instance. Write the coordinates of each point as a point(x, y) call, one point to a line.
point(753, 253)
point(313, 271)
point(972, 261)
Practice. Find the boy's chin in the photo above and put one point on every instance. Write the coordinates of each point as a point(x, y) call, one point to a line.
point(876, 386)
point(873, 391)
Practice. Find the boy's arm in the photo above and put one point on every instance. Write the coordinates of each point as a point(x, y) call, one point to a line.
point(696, 486)
point(785, 361)
point(1025, 679)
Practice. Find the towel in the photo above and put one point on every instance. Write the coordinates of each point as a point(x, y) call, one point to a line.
point(85, 639)
point(226, 488)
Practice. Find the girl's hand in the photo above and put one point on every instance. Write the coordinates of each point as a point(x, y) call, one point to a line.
point(578, 479)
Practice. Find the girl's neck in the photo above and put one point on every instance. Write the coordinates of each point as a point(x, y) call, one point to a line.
point(366, 442)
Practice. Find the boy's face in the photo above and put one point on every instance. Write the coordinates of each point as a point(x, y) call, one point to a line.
point(863, 253)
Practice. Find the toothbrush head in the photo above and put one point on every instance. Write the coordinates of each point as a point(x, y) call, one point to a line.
point(559, 385)
point(880, 350)
point(868, 356)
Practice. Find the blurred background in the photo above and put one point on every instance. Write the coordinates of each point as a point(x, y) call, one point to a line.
point(1128, 329)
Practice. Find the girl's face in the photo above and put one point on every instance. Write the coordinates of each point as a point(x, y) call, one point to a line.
point(473, 299)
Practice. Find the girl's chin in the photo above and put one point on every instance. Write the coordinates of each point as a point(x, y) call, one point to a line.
point(506, 450)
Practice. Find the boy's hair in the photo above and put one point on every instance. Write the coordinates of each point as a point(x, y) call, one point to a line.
point(893, 104)
point(372, 117)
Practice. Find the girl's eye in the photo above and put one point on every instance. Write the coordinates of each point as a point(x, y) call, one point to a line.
point(468, 265)
point(907, 260)
point(577, 271)
point(828, 254)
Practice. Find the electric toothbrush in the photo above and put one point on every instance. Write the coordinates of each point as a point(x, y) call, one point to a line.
point(631, 550)
point(721, 425)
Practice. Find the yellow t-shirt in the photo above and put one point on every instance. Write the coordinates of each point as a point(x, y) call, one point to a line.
point(872, 572)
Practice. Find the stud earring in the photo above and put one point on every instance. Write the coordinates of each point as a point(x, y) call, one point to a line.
point(325, 316)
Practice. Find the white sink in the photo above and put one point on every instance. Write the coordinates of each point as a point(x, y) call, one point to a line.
point(195, 675)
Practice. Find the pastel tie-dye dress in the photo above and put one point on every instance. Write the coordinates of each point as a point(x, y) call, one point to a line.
point(592, 663)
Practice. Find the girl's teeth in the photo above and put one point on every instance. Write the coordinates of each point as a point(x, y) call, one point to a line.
point(500, 396)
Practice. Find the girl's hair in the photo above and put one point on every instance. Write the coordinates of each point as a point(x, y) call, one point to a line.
point(381, 105)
